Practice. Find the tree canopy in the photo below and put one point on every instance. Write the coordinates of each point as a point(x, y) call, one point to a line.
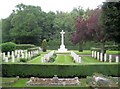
point(30, 25)
point(111, 20)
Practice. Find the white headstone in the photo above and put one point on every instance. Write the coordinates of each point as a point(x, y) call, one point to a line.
point(110, 58)
point(26, 56)
point(23, 55)
point(21, 51)
point(92, 53)
point(6, 59)
point(3, 56)
point(18, 57)
point(80, 60)
point(8, 54)
point(105, 57)
point(95, 54)
point(117, 59)
point(29, 55)
point(16, 52)
point(98, 55)
point(12, 53)
point(101, 56)
point(13, 58)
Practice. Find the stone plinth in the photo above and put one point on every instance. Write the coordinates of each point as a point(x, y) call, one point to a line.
point(62, 49)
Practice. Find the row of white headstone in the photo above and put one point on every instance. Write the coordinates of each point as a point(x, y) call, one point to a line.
point(103, 57)
point(76, 57)
point(18, 54)
point(46, 57)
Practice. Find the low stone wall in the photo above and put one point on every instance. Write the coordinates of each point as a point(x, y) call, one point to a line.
point(53, 81)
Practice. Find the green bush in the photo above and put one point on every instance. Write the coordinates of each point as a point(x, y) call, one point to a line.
point(112, 47)
point(24, 46)
point(44, 45)
point(52, 59)
point(8, 47)
point(23, 60)
point(81, 70)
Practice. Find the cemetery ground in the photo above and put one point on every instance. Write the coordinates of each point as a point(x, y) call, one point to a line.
point(62, 60)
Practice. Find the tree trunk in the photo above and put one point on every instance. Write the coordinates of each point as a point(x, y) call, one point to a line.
point(80, 47)
point(103, 50)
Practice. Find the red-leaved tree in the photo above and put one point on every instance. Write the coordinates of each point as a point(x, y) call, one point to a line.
point(95, 27)
point(82, 33)
point(89, 29)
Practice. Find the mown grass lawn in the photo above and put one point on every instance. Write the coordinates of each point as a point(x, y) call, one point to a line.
point(36, 59)
point(88, 59)
point(63, 59)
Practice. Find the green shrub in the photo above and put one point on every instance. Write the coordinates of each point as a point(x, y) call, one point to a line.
point(24, 46)
point(52, 59)
point(112, 47)
point(8, 47)
point(44, 45)
point(81, 70)
point(23, 60)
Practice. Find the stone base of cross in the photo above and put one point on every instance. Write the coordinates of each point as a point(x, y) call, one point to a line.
point(62, 48)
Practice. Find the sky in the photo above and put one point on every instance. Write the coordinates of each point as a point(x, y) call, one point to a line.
point(6, 6)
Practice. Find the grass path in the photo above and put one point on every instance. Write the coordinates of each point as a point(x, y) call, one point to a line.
point(63, 59)
point(36, 60)
point(86, 59)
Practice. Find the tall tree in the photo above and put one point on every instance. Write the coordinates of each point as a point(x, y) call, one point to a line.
point(25, 24)
point(95, 27)
point(111, 20)
point(82, 34)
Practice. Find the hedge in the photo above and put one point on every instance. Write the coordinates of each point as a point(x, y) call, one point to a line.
point(95, 49)
point(24, 46)
point(82, 70)
point(112, 47)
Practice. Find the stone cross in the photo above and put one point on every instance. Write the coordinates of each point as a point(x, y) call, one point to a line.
point(62, 37)
point(62, 46)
